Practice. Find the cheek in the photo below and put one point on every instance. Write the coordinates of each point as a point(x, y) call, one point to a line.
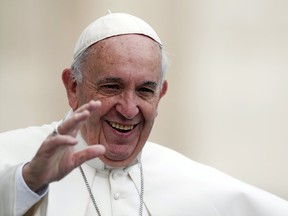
point(150, 112)
point(86, 93)
point(83, 96)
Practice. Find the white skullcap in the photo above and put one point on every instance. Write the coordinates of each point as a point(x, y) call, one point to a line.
point(111, 25)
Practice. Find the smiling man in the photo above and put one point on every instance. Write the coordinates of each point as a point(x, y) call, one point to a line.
point(97, 160)
point(125, 74)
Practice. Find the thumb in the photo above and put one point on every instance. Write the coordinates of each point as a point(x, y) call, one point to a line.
point(88, 153)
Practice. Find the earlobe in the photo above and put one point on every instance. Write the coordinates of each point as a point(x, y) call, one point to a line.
point(70, 86)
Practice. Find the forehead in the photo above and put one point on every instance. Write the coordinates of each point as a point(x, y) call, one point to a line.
point(124, 54)
point(132, 45)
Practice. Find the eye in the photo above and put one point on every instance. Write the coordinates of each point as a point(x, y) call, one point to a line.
point(111, 86)
point(110, 89)
point(146, 92)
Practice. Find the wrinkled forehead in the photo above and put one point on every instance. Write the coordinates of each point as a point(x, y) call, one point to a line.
point(137, 43)
point(111, 25)
point(135, 55)
point(123, 49)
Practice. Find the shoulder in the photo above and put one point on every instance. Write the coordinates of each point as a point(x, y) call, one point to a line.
point(31, 133)
point(172, 163)
point(167, 170)
point(168, 157)
point(21, 144)
point(168, 164)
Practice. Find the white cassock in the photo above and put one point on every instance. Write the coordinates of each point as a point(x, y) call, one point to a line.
point(173, 185)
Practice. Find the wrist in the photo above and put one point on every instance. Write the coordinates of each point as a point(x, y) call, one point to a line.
point(31, 181)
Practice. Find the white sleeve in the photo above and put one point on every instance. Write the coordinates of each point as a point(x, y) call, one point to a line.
point(25, 197)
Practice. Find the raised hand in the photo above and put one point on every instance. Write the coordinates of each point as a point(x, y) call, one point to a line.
point(56, 157)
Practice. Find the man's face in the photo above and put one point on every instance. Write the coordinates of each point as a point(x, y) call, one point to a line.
point(124, 73)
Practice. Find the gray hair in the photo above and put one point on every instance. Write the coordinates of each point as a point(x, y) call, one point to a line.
point(78, 63)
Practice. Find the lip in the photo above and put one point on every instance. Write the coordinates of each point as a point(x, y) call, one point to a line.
point(124, 130)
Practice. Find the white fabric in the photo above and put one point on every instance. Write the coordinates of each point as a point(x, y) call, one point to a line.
point(111, 25)
point(25, 196)
point(174, 184)
point(112, 187)
point(115, 189)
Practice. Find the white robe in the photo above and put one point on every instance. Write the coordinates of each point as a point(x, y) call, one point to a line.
point(174, 184)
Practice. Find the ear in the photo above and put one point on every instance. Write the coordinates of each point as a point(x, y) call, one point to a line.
point(70, 86)
point(164, 88)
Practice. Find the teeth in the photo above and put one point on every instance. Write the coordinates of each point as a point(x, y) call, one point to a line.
point(121, 127)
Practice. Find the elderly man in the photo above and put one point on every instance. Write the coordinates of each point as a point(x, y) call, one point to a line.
point(97, 161)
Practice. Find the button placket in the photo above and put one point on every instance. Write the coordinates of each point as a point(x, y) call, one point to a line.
point(117, 174)
point(124, 194)
point(116, 177)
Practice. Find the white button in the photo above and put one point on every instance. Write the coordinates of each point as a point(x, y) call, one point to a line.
point(116, 175)
point(116, 196)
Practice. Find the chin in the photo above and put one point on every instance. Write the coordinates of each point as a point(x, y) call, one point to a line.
point(117, 163)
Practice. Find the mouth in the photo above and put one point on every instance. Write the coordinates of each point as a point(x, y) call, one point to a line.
point(121, 128)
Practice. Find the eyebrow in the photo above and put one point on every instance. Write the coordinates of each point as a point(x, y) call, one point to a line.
point(150, 84)
point(109, 80)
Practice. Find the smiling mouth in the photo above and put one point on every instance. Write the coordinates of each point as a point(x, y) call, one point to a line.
point(121, 128)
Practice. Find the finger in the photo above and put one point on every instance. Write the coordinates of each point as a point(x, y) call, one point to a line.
point(73, 122)
point(79, 116)
point(90, 106)
point(88, 153)
point(53, 143)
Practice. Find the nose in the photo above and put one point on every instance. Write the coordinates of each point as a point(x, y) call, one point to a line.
point(128, 105)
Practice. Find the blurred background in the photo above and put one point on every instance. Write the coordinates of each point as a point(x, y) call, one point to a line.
point(227, 103)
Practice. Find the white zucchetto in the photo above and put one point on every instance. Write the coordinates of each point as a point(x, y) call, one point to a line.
point(113, 24)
